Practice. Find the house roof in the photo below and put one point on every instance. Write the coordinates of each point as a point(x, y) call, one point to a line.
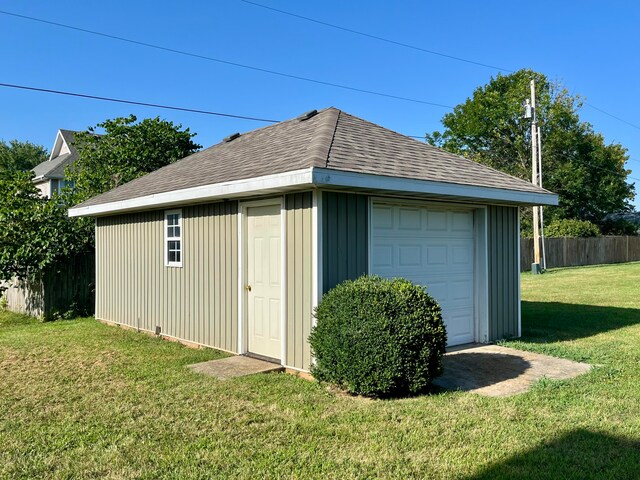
point(332, 143)
point(62, 154)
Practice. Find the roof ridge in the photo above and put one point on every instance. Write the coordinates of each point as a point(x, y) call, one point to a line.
point(333, 137)
point(320, 145)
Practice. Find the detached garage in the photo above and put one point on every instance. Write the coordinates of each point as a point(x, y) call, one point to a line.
point(232, 247)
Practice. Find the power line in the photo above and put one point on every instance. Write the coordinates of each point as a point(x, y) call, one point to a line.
point(146, 104)
point(376, 37)
point(414, 47)
point(133, 102)
point(298, 77)
point(612, 116)
point(226, 62)
point(220, 114)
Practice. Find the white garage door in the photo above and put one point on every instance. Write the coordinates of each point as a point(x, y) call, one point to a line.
point(432, 247)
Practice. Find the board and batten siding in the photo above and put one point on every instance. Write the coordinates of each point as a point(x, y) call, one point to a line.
point(503, 272)
point(299, 267)
point(345, 232)
point(196, 302)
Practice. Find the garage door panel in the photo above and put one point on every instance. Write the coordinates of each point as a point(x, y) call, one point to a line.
point(462, 254)
point(382, 256)
point(463, 329)
point(410, 256)
point(409, 219)
point(436, 221)
point(431, 247)
point(462, 222)
point(382, 218)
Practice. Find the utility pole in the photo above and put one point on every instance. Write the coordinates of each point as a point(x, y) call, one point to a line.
point(544, 254)
point(535, 266)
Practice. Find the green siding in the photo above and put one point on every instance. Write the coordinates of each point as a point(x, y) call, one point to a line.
point(299, 278)
point(345, 218)
point(504, 277)
point(196, 303)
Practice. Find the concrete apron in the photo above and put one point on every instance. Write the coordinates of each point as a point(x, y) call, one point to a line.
point(237, 366)
point(496, 371)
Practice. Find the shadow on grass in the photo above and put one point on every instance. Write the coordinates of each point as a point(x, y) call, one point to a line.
point(553, 321)
point(468, 371)
point(579, 454)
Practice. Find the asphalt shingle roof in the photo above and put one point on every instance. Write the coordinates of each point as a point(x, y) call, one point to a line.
point(332, 139)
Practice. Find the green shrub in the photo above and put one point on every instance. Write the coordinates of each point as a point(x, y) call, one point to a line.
point(620, 227)
point(378, 337)
point(571, 228)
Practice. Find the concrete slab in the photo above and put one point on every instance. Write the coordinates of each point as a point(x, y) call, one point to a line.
point(237, 366)
point(497, 371)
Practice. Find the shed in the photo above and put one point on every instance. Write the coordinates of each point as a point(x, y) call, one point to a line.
point(233, 246)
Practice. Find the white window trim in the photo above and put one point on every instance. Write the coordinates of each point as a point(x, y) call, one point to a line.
point(167, 263)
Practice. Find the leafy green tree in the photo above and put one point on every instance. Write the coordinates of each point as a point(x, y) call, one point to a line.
point(125, 151)
point(587, 173)
point(17, 156)
point(36, 231)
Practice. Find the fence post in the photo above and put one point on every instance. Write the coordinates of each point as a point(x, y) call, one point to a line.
point(627, 257)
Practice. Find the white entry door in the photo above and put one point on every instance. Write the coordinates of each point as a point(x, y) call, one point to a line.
point(434, 247)
point(263, 280)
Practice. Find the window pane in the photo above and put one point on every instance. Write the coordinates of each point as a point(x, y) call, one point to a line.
point(172, 219)
point(173, 244)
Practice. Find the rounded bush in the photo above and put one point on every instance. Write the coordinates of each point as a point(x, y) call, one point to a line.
point(571, 228)
point(378, 337)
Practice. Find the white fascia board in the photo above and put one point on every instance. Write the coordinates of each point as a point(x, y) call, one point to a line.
point(327, 177)
point(309, 177)
point(254, 186)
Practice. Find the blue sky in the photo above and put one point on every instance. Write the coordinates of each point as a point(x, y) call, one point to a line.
point(592, 47)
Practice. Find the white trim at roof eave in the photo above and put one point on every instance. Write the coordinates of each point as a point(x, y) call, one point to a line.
point(337, 178)
point(309, 177)
point(255, 186)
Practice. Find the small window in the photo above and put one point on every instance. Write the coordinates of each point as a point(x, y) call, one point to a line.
point(173, 238)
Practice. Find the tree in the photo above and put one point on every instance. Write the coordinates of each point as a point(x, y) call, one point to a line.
point(36, 231)
point(586, 172)
point(17, 156)
point(125, 151)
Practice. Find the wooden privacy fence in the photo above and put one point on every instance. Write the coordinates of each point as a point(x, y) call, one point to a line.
point(69, 287)
point(573, 252)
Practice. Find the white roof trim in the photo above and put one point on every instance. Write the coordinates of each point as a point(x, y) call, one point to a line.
point(310, 177)
point(337, 178)
point(60, 142)
point(257, 186)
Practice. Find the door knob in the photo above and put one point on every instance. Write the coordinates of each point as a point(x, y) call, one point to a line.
point(247, 288)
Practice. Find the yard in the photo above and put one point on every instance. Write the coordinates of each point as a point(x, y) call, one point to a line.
point(79, 399)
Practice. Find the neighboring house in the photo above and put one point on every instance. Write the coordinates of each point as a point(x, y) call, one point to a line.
point(233, 246)
point(49, 175)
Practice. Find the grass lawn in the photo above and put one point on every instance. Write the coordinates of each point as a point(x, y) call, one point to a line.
point(79, 399)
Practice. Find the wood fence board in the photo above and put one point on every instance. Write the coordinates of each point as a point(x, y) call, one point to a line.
point(573, 252)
